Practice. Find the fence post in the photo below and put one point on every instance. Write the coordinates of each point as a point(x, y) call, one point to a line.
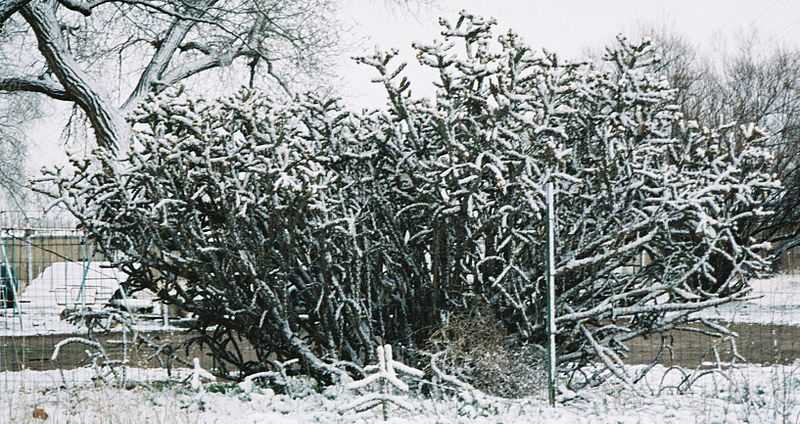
point(551, 299)
point(28, 256)
point(10, 277)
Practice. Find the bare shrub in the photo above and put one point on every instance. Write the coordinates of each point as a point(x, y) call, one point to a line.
point(479, 351)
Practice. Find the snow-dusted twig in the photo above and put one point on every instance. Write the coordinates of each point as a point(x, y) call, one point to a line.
point(247, 383)
point(446, 377)
point(80, 340)
point(198, 375)
point(608, 357)
point(384, 373)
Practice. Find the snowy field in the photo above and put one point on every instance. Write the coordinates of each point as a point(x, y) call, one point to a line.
point(750, 394)
point(774, 300)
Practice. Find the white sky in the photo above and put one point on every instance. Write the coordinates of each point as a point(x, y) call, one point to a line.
point(568, 27)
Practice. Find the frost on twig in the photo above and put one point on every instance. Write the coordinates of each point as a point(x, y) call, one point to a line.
point(198, 375)
point(247, 384)
point(385, 375)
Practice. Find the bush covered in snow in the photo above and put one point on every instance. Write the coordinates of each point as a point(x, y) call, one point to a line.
point(307, 230)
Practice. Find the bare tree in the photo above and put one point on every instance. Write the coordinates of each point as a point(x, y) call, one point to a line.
point(105, 56)
point(15, 112)
point(757, 84)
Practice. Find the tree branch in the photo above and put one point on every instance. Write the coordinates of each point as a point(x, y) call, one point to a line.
point(49, 88)
point(204, 64)
point(194, 45)
point(111, 130)
point(159, 62)
point(81, 6)
point(10, 7)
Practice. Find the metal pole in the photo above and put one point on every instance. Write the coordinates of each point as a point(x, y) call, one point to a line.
point(551, 299)
point(29, 256)
point(164, 314)
point(10, 276)
point(6, 295)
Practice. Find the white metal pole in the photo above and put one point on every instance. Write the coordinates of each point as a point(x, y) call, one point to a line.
point(6, 295)
point(164, 314)
point(551, 298)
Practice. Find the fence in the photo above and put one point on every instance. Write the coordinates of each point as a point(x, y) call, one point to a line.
point(51, 282)
point(790, 261)
point(48, 270)
point(767, 327)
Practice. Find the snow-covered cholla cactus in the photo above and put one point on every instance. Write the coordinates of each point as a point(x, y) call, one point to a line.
point(309, 231)
point(635, 185)
point(233, 210)
point(198, 375)
point(385, 374)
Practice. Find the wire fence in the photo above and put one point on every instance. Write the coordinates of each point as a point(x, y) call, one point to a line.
point(765, 328)
point(54, 285)
point(790, 262)
point(49, 271)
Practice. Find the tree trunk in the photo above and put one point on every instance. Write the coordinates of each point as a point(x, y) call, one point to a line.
point(110, 127)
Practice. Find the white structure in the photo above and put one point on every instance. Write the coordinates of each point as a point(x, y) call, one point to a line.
point(71, 285)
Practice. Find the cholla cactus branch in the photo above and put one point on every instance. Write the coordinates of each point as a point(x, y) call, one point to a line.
point(384, 373)
point(310, 231)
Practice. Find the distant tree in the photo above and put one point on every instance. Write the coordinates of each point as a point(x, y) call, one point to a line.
point(309, 231)
point(756, 83)
point(15, 114)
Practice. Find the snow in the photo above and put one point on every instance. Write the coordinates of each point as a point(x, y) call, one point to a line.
point(60, 286)
point(774, 300)
point(747, 394)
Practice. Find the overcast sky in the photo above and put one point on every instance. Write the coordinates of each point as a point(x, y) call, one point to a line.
point(567, 27)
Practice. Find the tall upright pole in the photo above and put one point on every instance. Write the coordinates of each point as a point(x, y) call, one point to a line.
point(29, 255)
point(551, 298)
point(10, 276)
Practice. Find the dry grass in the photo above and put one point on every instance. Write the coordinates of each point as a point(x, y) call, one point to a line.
point(479, 351)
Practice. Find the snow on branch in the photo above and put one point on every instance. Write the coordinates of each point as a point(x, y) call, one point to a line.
point(385, 375)
point(311, 231)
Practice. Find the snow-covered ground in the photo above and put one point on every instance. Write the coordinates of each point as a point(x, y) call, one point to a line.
point(71, 285)
point(750, 394)
point(777, 301)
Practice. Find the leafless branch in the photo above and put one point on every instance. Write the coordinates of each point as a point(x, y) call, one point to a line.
point(36, 85)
